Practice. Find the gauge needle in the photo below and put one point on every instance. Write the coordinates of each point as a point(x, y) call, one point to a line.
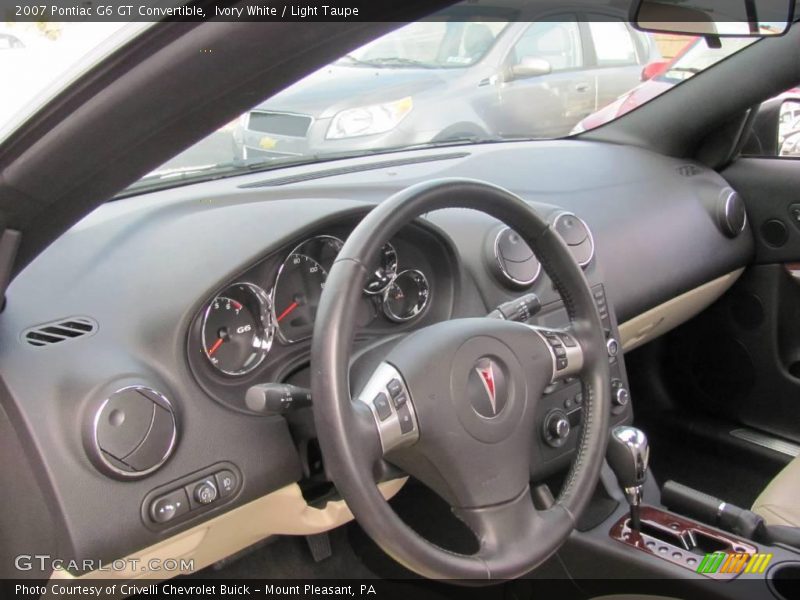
point(216, 346)
point(286, 312)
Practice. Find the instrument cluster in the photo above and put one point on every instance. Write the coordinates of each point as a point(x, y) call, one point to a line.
point(242, 323)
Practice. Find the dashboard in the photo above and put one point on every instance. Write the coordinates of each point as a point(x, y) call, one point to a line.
point(137, 335)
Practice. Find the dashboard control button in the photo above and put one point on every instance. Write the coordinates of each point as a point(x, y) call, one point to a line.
point(226, 483)
point(168, 507)
point(395, 388)
point(556, 428)
point(559, 428)
point(612, 345)
point(406, 422)
point(205, 492)
point(381, 404)
point(620, 395)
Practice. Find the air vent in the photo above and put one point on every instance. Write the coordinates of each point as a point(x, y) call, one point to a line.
point(56, 332)
point(689, 170)
point(577, 235)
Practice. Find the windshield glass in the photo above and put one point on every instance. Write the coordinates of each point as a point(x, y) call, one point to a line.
point(39, 59)
point(450, 44)
point(467, 78)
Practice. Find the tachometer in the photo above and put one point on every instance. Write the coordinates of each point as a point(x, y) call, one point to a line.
point(237, 329)
point(299, 285)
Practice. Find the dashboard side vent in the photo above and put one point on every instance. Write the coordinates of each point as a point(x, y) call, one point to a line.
point(688, 170)
point(56, 332)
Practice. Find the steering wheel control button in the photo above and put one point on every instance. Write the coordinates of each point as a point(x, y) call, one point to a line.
point(612, 345)
point(205, 492)
point(399, 400)
point(569, 342)
point(226, 483)
point(395, 388)
point(406, 421)
point(561, 364)
point(395, 418)
point(133, 433)
point(381, 404)
point(168, 507)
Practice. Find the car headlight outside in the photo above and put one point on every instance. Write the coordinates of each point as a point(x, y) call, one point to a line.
point(369, 120)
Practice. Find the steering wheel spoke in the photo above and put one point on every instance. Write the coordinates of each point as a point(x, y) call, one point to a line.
point(389, 400)
point(504, 529)
point(565, 351)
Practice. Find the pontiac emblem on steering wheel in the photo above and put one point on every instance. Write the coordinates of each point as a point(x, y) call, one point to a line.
point(489, 399)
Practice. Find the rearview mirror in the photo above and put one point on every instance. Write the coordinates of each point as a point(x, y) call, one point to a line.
point(723, 18)
point(530, 66)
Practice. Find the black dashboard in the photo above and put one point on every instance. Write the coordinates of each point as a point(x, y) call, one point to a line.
point(171, 305)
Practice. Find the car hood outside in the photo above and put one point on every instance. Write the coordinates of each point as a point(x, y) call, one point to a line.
point(335, 87)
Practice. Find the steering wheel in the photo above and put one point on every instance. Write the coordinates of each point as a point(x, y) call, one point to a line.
point(452, 404)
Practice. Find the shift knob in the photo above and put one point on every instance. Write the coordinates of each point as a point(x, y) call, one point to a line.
point(628, 454)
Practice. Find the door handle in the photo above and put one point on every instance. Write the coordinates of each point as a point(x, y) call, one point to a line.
point(582, 87)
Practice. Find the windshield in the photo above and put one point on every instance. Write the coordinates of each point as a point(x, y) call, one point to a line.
point(699, 56)
point(471, 78)
point(450, 44)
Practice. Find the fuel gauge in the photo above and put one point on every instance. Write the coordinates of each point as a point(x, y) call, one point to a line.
point(407, 296)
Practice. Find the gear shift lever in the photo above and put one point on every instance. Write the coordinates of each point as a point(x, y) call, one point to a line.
point(628, 454)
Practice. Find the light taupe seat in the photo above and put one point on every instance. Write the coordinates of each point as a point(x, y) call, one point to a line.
point(779, 503)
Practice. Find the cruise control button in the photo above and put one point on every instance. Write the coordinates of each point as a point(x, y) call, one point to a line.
point(395, 388)
point(560, 352)
point(406, 422)
point(399, 400)
point(168, 507)
point(561, 364)
point(381, 404)
point(226, 483)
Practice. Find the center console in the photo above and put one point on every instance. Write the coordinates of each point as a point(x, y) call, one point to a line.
point(560, 411)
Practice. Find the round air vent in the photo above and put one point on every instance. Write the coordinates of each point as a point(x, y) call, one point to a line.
point(512, 260)
point(576, 234)
point(731, 213)
point(133, 433)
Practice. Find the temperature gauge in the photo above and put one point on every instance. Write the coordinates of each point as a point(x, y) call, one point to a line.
point(407, 296)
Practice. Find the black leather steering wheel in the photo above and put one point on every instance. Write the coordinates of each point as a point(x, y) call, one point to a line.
point(452, 404)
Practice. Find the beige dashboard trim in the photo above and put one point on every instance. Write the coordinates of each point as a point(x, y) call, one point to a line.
point(283, 512)
point(659, 320)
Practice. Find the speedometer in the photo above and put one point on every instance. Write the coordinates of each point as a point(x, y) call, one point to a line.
point(298, 288)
